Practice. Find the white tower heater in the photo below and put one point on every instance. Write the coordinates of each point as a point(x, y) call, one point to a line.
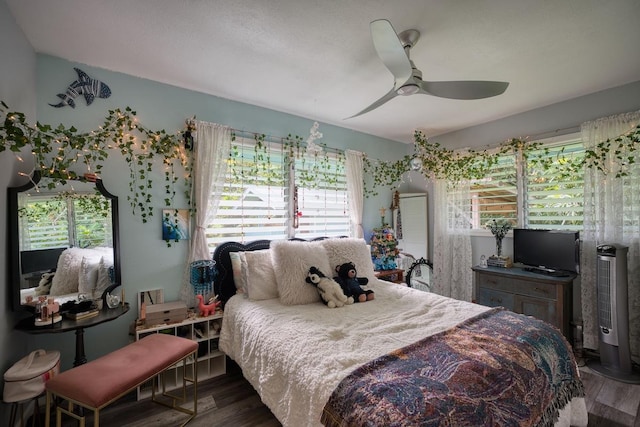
point(613, 315)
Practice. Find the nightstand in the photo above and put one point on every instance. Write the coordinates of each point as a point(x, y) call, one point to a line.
point(395, 276)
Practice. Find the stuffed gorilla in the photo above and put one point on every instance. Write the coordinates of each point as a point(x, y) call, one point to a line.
point(351, 285)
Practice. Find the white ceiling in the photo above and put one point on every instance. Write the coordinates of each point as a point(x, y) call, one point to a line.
point(315, 58)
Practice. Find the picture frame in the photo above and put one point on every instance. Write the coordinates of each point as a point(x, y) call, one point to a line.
point(176, 224)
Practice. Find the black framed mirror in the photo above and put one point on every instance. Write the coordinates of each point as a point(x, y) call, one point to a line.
point(420, 275)
point(68, 229)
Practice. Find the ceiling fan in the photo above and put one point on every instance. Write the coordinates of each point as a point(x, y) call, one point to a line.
point(394, 50)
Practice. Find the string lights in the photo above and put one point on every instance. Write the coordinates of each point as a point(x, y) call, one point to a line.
point(57, 152)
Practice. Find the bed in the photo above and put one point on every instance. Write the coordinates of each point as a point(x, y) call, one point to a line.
point(407, 357)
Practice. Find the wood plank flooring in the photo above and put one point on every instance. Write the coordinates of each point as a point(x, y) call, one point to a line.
point(230, 401)
point(610, 403)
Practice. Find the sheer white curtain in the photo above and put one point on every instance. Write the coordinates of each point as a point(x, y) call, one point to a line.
point(452, 274)
point(354, 166)
point(611, 215)
point(211, 149)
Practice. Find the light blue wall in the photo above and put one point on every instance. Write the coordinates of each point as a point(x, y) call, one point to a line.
point(18, 90)
point(147, 262)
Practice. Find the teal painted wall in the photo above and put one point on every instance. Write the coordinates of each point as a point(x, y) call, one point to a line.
point(147, 262)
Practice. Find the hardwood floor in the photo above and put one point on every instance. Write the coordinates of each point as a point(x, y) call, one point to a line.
point(225, 401)
point(610, 403)
point(230, 401)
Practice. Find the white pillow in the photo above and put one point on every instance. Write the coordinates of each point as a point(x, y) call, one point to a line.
point(104, 279)
point(344, 250)
point(291, 262)
point(259, 275)
point(67, 272)
point(236, 269)
point(88, 274)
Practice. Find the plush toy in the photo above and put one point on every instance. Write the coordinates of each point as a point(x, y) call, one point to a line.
point(329, 290)
point(44, 286)
point(351, 285)
point(207, 309)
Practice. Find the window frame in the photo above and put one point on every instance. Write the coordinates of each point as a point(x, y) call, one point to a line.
point(285, 184)
point(522, 220)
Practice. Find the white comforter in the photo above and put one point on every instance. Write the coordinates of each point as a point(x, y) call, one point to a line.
point(295, 356)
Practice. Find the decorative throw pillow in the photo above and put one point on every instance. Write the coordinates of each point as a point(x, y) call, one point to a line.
point(236, 268)
point(104, 278)
point(67, 272)
point(340, 251)
point(260, 276)
point(88, 274)
point(291, 261)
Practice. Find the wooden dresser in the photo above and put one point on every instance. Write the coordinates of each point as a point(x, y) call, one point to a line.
point(545, 297)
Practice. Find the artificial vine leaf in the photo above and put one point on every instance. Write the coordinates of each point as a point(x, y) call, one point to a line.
point(119, 131)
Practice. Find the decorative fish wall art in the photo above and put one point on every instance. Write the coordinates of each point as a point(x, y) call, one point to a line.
point(86, 86)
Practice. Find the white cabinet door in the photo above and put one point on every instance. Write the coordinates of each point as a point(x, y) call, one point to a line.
point(412, 219)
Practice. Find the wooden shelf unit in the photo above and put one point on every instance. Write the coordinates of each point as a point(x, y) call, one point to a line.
point(210, 361)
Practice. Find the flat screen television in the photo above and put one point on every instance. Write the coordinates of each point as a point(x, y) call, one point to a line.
point(40, 260)
point(547, 251)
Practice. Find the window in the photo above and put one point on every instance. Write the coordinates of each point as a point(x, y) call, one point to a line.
point(273, 191)
point(495, 196)
point(321, 197)
point(69, 219)
point(554, 197)
point(543, 195)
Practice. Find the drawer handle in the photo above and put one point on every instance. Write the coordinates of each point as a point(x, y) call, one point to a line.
point(544, 291)
point(498, 300)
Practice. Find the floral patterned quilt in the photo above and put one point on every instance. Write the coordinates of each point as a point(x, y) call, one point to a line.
point(498, 368)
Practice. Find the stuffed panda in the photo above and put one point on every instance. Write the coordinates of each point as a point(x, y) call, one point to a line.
point(351, 285)
point(329, 290)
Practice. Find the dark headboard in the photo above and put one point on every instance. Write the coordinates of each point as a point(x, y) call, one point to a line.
point(225, 288)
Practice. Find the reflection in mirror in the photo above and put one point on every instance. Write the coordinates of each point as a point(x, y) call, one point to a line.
point(63, 240)
point(147, 298)
point(420, 275)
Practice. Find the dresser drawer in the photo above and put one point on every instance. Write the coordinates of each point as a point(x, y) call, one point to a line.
point(494, 298)
point(546, 298)
point(518, 286)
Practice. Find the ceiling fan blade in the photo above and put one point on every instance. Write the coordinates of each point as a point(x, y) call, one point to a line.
point(465, 89)
point(390, 95)
point(390, 50)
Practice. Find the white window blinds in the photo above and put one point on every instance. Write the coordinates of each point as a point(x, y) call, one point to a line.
point(495, 195)
point(273, 191)
point(553, 194)
point(321, 185)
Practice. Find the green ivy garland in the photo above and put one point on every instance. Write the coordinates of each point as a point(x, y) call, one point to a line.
point(57, 150)
point(314, 170)
point(437, 162)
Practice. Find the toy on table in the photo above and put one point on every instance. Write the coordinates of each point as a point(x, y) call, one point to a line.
point(209, 308)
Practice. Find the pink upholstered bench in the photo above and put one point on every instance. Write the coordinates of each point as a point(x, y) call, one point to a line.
point(98, 383)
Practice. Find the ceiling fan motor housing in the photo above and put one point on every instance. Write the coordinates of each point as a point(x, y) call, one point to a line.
point(408, 89)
